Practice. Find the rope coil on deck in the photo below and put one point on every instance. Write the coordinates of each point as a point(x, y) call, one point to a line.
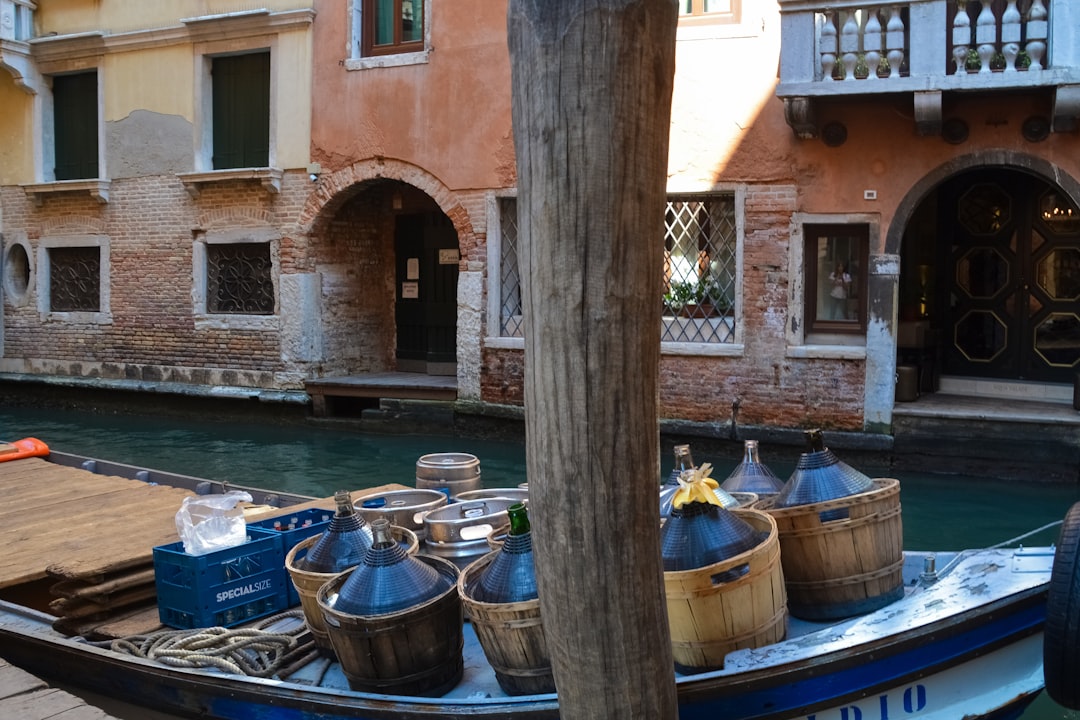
point(252, 651)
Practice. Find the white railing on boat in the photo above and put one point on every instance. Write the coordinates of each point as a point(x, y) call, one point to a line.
point(858, 47)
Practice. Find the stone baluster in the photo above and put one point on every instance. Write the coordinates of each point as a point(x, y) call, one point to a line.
point(872, 43)
point(961, 37)
point(1010, 35)
point(986, 35)
point(894, 41)
point(849, 44)
point(1037, 32)
point(827, 43)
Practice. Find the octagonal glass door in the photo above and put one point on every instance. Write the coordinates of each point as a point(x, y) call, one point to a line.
point(1012, 278)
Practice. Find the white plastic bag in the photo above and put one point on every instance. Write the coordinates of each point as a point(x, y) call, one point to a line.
point(212, 522)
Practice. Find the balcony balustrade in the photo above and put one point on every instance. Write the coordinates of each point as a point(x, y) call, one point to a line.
point(16, 20)
point(851, 48)
point(16, 28)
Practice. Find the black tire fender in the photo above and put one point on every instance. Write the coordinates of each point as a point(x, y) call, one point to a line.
point(1061, 637)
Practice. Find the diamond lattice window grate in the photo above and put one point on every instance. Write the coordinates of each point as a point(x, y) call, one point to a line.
point(699, 270)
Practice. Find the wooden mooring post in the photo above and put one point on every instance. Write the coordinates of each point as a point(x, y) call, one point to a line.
point(591, 102)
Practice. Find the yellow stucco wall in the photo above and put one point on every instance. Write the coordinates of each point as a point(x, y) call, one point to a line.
point(16, 145)
point(114, 16)
point(292, 67)
point(160, 80)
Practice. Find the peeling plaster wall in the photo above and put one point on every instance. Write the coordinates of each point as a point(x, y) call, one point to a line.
point(147, 143)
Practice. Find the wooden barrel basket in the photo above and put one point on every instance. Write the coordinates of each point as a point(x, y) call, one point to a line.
point(511, 635)
point(415, 651)
point(711, 617)
point(307, 583)
point(837, 568)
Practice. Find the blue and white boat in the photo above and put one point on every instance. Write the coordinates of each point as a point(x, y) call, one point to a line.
point(978, 634)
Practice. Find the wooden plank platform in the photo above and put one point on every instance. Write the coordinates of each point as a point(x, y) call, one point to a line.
point(25, 697)
point(88, 540)
point(67, 522)
point(394, 385)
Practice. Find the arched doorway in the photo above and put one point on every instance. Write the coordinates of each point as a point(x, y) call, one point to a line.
point(388, 259)
point(990, 272)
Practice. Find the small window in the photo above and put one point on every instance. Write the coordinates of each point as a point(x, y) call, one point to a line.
point(241, 110)
point(75, 279)
point(391, 26)
point(836, 273)
point(511, 323)
point(75, 126)
point(717, 10)
point(239, 279)
point(700, 268)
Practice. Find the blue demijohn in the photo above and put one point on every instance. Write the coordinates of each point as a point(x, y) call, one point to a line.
point(510, 576)
point(700, 531)
point(819, 476)
point(343, 544)
point(751, 475)
point(388, 579)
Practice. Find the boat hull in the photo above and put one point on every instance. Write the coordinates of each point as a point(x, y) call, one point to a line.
point(985, 665)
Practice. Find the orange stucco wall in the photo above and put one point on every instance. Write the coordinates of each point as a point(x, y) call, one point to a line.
point(449, 115)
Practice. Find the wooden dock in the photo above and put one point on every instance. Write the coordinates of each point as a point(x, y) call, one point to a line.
point(25, 697)
point(376, 386)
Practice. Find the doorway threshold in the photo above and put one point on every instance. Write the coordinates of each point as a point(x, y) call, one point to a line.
point(1006, 389)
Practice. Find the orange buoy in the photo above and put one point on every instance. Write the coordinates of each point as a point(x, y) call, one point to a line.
point(27, 447)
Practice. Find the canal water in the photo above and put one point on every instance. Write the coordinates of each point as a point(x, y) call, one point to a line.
point(939, 511)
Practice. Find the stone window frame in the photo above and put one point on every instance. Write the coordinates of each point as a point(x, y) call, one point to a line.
point(494, 340)
point(234, 321)
point(204, 54)
point(355, 60)
point(800, 342)
point(103, 316)
point(14, 295)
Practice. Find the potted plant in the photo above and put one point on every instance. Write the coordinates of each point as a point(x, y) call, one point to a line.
point(697, 298)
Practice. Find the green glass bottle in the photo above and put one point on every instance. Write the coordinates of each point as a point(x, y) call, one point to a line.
point(511, 575)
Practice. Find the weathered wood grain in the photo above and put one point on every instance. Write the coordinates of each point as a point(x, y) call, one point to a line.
point(591, 102)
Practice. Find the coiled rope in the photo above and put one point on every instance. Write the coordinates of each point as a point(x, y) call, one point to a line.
point(253, 651)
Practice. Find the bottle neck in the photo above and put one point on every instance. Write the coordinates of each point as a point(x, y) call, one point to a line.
point(519, 519)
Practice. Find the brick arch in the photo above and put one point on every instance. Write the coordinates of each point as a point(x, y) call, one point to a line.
point(233, 217)
point(73, 225)
point(984, 159)
point(336, 188)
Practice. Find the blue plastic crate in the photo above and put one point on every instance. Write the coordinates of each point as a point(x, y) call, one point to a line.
point(292, 529)
point(221, 588)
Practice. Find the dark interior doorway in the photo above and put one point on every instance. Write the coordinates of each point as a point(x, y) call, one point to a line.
point(426, 250)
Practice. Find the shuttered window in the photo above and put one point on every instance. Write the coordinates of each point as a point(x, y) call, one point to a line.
point(241, 109)
point(75, 126)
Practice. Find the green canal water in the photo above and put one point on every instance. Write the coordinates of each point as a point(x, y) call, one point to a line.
point(939, 511)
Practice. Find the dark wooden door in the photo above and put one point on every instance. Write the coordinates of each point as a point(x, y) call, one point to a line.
point(426, 250)
point(1012, 261)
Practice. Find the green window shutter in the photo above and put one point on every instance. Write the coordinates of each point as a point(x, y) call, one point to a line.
point(75, 126)
point(241, 101)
